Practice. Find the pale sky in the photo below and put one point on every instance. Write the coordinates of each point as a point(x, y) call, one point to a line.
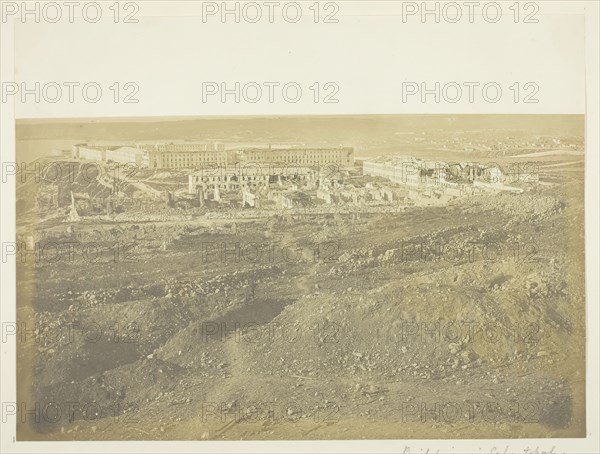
point(368, 54)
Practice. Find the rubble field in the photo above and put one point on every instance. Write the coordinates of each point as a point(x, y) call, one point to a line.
point(456, 321)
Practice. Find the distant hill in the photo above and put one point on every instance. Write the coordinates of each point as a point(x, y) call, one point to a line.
point(344, 130)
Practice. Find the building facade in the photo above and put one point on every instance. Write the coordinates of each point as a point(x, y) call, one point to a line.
point(343, 157)
point(397, 169)
point(176, 147)
point(234, 178)
point(186, 155)
point(128, 155)
point(84, 151)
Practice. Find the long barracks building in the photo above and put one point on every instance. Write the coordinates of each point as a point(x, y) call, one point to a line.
point(342, 156)
point(186, 155)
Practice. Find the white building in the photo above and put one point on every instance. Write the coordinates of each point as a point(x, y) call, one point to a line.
point(128, 155)
point(92, 154)
point(401, 169)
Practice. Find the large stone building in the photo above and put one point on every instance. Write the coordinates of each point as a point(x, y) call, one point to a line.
point(123, 155)
point(343, 157)
point(399, 169)
point(186, 155)
point(157, 156)
point(88, 152)
point(128, 155)
point(238, 177)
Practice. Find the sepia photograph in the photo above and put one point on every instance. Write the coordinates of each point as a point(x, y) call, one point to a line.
point(301, 277)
